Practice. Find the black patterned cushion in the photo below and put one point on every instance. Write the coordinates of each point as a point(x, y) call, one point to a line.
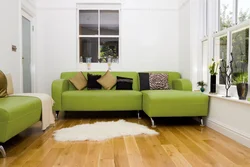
point(158, 81)
point(92, 82)
point(124, 83)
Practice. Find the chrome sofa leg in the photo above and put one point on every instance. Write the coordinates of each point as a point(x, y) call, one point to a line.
point(152, 122)
point(202, 121)
point(2, 151)
point(138, 114)
point(57, 115)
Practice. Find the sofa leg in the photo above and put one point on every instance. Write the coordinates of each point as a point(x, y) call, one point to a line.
point(138, 114)
point(152, 122)
point(202, 121)
point(2, 151)
point(57, 114)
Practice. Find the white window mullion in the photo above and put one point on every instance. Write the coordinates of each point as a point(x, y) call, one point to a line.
point(218, 16)
point(99, 33)
point(235, 12)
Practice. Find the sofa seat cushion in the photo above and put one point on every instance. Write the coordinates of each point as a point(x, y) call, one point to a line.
point(163, 103)
point(13, 107)
point(101, 100)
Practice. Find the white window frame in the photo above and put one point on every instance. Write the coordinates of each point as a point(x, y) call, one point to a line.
point(229, 31)
point(98, 7)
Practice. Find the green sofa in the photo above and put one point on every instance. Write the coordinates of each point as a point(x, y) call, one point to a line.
point(180, 101)
point(16, 115)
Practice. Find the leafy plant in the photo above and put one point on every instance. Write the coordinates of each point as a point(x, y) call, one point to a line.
point(213, 68)
point(241, 78)
point(201, 83)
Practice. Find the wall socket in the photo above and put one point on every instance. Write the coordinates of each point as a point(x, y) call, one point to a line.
point(14, 48)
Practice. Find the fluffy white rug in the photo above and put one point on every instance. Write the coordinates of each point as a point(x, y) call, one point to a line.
point(101, 131)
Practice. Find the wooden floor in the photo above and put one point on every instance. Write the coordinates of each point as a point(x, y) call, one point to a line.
point(179, 144)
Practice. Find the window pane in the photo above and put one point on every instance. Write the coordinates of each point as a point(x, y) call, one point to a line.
point(109, 22)
point(221, 51)
point(243, 10)
point(226, 14)
point(88, 20)
point(109, 48)
point(89, 48)
point(240, 40)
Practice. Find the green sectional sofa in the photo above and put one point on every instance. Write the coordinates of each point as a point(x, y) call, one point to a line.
point(16, 115)
point(180, 101)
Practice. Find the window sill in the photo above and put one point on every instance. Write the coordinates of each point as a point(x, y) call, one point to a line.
point(234, 99)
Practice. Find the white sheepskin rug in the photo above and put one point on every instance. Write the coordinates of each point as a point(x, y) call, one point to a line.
point(101, 131)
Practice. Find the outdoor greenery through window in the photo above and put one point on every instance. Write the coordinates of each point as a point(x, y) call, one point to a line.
point(99, 35)
point(226, 14)
point(243, 10)
point(240, 44)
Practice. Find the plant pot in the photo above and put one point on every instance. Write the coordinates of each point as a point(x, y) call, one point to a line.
point(213, 84)
point(242, 89)
point(202, 89)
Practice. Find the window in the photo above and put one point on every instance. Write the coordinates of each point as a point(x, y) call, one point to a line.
point(226, 14)
point(221, 53)
point(243, 10)
point(240, 44)
point(99, 35)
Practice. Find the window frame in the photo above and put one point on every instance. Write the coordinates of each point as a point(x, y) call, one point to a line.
point(98, 7)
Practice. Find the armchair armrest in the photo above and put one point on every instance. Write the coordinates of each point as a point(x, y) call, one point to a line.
point(58, 87)
point(182, 84)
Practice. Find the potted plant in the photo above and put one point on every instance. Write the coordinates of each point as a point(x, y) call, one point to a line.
point(202, 84)
point(241, 82)
point(213, 70)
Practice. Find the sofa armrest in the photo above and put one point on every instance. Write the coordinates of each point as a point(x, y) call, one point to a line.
point(58, 87)
point(182, 84)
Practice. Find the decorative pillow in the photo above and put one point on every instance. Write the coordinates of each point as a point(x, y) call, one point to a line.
point(92, 82)
point(124, 83)
point(144, 81)
point(10, 89)
point(107, 80)
point(3, 85)
point(79, 81)
point(158, 81)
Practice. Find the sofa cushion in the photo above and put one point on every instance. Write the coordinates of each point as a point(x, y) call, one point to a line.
point(3, 85)
point(158, 81)
point(144, 81)
point(79, 81)
point(92, 82)
point(10, 89)
point(160, 103)
point(101, 100)
point(107, 80)
point(124, 83)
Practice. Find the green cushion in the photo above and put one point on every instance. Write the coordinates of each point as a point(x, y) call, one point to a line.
point(133, 75)
point(164, 103)
point(17, 114)
point(101, 100)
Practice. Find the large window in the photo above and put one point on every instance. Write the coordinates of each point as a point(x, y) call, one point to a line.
point(99, 35)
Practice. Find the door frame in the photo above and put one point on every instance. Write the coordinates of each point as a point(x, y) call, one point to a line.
point(30, 17)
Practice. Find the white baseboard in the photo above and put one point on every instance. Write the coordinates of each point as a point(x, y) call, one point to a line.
point(230, 132)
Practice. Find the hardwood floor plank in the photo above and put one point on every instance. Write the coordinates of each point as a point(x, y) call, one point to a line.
point(120, 153)
point(176, 156)
point(134, 157)
point(51, 157)
point(93, 154)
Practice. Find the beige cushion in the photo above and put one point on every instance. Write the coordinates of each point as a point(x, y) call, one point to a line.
point(107, 80)
point(10, 89)
point(79, 81)
point(3, 85)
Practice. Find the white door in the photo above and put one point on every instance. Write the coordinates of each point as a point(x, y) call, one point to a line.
point(26, 54)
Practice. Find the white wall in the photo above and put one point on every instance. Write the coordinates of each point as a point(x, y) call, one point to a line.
point(149, 38)
point(9, 32)
point(230, 118)
point(184, 39)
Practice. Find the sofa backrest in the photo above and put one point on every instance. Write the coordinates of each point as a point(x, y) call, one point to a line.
point(171, 76)
point(133, 75)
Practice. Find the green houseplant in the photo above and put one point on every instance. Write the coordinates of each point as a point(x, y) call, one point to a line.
point(202, 84)
point(241, 82)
